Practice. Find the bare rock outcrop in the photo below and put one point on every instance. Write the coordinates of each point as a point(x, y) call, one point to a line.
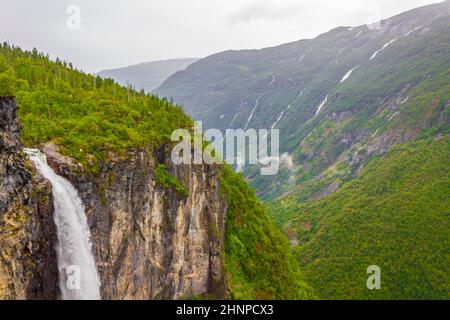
point(150, 241)
point(28, 268)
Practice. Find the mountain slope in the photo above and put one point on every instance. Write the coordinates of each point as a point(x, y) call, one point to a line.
point(338, 99)
point(364, 116)
point(257, 256)
point(158, 230)
point(149, 75)
point(394, 215)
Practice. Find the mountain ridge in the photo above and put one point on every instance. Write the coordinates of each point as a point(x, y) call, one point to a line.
point(290, 83)
point(159, 230)
point(147, 75)
point(364, 120)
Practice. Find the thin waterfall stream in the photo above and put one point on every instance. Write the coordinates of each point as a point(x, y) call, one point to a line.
point(78, 277)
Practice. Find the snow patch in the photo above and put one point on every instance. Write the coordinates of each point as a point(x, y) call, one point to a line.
point(375, 133)
point(234, 118)
point(412, 30)
point(272, 81)
point(319, 108)
point(279, 118)
point(348, 74)
point(408, 33)
point(251, 114)
point(405, 100)
point(301, 58)
point(384, 47)
point(393, 116)
point(425, 30)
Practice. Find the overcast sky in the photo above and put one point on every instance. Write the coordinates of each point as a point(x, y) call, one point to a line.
point(116, 33)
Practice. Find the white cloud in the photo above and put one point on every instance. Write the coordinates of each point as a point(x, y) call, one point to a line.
point(121, 32)
point(285, 161)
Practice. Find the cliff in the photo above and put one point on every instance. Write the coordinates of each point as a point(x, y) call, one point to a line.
point(159, 231)
point(28, 267)
point(149, 240)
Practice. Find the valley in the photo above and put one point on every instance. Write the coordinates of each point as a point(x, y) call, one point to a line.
point(361, 114)
point(356, 109)
point(158, 230)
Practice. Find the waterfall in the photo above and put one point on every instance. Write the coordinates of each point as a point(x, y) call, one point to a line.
point(78, 278)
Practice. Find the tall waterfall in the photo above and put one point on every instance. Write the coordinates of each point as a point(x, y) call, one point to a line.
point(78, 278)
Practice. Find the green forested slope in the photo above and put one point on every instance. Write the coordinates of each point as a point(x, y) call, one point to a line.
point(88, 117)
point(395, 215)
point(258, 258)
point(342, 202)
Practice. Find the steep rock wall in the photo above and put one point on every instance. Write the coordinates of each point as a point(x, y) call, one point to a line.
point(150, 241)
point(28, 268)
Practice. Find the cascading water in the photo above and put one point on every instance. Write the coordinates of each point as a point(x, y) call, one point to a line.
point(78, 278)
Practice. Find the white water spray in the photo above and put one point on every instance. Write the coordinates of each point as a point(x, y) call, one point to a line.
point(78, 278)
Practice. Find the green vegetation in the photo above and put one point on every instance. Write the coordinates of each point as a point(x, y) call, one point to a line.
point(258, 258)
point(394, 215)
point(164, 180)
point(89, 117)
point(389, 95)
point(7, 84)
point(86, 115)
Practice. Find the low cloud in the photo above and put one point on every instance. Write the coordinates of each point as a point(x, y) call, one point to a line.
point(287, 161)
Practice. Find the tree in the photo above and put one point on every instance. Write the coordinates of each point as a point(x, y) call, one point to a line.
point(7, 84)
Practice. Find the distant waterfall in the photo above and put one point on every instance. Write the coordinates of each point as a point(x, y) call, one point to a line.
point(78, 278)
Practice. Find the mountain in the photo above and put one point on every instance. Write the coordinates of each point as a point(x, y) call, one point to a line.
point(394, 215)
point(365, 133)
point(364, 124)
point(158, 230)
point(149, 75)
point(338, 99)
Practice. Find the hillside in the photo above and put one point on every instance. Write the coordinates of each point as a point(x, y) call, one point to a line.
point(148, 75)
point(364, 121)
point(159, 230)
point(258, 258)
point(394, 215)
point(338, 99)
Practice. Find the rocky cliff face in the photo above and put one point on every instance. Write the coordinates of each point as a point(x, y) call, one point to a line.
point(149, 241)
point(28, 267)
